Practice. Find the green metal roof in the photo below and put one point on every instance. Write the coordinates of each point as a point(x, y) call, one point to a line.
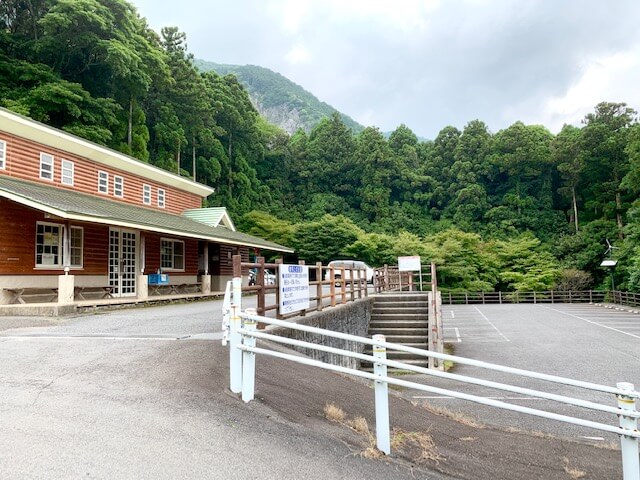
point(212, 216)
point(89, 208)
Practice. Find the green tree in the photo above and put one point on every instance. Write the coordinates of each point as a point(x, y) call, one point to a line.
point(606, 162)
point(325, 239)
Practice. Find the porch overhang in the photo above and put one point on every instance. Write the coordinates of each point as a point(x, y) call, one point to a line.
point(80, 207)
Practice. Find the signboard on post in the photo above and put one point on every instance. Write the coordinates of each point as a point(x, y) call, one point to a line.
point(411, 264)
point(294, 288)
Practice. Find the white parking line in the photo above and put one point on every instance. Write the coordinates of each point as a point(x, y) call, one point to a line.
point(489, 322)
point(595, 323)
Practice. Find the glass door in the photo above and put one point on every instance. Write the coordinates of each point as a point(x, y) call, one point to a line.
point(122, 262)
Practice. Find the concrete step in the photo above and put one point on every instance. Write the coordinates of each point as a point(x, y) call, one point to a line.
point(397, 323)
point(406, 339)
point(421, 345)
point(402, 302)
point(400, 311)
point(390, 317)
point(391, 332)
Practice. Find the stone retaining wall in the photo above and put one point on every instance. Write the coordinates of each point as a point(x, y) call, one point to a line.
point(352, 318)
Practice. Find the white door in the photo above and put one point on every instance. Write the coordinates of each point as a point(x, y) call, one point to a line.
point(122, 262)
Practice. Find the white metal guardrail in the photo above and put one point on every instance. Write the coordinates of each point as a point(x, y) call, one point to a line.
point(242, 336)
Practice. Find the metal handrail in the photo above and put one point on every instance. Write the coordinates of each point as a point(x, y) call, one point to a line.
point(441, 356)
point(243, 350)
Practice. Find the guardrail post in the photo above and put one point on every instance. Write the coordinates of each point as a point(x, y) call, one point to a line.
point(319, 280)
point(249, 360)
point(235, 354)
point(629, 445)
point(383, 441)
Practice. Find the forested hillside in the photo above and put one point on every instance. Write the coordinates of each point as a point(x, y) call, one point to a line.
point(278, 99)
point(517, 209)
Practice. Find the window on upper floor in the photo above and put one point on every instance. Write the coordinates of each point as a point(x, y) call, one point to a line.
point(67, 172)
point(172, 254)
point(103, 182)
point(118, 186)
point(46, 166)
point(161, 198)
point(146, 194)
point(3, 154)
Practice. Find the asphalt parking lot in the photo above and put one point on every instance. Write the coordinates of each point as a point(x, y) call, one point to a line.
point(580, 341)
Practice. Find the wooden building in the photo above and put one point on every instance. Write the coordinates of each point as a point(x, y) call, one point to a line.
point(77, 216)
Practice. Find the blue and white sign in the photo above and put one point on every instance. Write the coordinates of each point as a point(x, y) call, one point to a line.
point(294, 288)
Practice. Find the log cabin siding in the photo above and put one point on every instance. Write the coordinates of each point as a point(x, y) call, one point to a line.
point(152, 254)
point(23, 162)
point(18, 240)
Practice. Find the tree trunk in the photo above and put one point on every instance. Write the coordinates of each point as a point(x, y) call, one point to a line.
point(178, 159)
point(619, 215)
point(575, 207)
point(193, 155)
point(130, 126)
point(230, 182)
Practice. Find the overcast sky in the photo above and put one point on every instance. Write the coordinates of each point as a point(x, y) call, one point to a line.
point(428, 63)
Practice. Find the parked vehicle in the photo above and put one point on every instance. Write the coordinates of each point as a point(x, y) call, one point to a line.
point(348, 265)
point(269, 277)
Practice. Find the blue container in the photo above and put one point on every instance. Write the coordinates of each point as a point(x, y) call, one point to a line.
point(159, 279)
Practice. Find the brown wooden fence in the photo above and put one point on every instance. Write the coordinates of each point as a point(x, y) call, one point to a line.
point(330, 286)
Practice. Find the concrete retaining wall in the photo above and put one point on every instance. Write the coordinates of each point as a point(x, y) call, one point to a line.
point(352, 318)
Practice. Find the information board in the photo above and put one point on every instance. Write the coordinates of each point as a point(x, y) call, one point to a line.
point(294, 288)
point(409, 264)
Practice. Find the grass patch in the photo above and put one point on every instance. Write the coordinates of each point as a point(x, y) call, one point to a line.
point(458, 417)
point(573, 472)
point(418, 446)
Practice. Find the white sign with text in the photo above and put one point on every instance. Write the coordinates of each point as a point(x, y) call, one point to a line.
point(294, 288)
point(409, 264)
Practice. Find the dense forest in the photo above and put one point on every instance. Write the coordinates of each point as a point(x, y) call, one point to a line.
point(278, 99)
point(518, 209)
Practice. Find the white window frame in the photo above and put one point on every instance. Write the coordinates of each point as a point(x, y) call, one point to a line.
point(146, 194)
point(162, 198)
point(103, 182)
point(67, 170)
point(59, 246)
point(3, 154)
point(118, 186)
point(46, 159)
point(169, 244)
point(77, 247)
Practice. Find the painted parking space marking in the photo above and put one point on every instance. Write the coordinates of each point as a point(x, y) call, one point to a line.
point(490, 323)
point(595, 323)
point(456, 330)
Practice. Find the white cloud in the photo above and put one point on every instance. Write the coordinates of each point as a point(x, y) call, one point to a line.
point(298, 54)
point(606, 79)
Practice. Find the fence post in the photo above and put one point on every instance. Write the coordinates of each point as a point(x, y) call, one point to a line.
point(260, 282)
point(249, 360)
point(383, 441)
point(332, 287)
point(319, 280)
point(235, 354)
point(303, 313)
point(500, 297)
point(279, 261)
point(629, 445)
point(433, 328)
point(343, 285)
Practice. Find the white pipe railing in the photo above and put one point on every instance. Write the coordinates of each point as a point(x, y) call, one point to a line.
point(243, 351)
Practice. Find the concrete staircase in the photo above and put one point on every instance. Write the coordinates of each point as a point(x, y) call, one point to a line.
point(401, 318)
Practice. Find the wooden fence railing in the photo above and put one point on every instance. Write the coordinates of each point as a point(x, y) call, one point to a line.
point(390, 278)
point(549, 296)
point(342, 285)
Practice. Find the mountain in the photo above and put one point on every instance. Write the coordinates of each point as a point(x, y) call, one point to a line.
point(278, 99)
